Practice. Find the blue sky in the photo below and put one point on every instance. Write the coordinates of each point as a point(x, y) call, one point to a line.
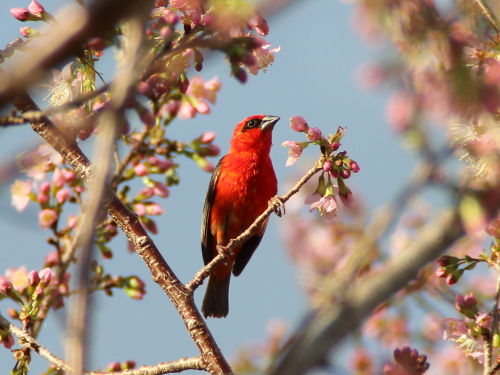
point(314, 75)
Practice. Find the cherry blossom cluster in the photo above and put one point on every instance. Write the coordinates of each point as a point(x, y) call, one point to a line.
point(335, 165)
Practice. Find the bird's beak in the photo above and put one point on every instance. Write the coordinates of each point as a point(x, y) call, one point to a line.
point(268, 122)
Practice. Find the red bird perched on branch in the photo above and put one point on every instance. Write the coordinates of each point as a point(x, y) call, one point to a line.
point(241, 186)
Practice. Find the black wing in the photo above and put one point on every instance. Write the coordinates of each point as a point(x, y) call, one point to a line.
point(206, 235)
point(247, 251)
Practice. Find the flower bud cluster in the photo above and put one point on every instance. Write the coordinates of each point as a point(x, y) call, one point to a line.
point(335, 165)
point(449, 267)
point(133, 286)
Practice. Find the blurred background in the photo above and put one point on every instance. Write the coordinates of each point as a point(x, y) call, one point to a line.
point(320, 74)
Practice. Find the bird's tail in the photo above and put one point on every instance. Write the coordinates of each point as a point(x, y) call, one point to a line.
point(216, 300)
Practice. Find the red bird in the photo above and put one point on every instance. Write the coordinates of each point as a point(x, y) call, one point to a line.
point(239, 191)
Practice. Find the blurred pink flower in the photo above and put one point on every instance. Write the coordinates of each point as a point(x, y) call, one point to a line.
point(293, 153)
point(47, 217)
point(21, 191)
point(18, 277)
point(263, 56)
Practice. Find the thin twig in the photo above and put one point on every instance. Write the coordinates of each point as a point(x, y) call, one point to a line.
point(490, 16)
point(27, 341)
point(225, 251)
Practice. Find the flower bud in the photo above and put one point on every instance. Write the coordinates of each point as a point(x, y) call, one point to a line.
point(298, 123)
point(33, 278)
point(314, 134)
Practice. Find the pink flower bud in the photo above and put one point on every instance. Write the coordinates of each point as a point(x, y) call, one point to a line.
point(45, 187)
point(335, 146)
point(8, 342)
point(141, 170)
point(69, 176)
point(207, 137)
point(171, 17)
point(33, 278)
point(21, 14)
point(42, 198)
point(36, 8)
point(345, 174)
point(51, 259)
point(28, 32)
point(5, 285)
point(327, 166)
point(140, 209)
point(314, 134)
point(354, 167)
point(72, 221)
point(298, 123)
point(143, 88)
point(58, 178)
point(45, 276)
point(154, 209)
point(161, 190)
point(62, 195)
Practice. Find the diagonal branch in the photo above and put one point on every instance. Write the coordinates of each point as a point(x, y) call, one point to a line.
point(128, 221)
point(224, 252)
point(326, 327)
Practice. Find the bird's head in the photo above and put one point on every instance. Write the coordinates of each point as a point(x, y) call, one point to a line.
point(254, 132)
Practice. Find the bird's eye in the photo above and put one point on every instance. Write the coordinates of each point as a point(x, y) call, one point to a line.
point(252, 123)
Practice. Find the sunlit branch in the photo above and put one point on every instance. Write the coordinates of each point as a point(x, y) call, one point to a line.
point(328, 326)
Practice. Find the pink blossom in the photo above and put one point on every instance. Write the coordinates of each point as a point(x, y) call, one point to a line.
point(400, 111)
point(484, 320)
point(454, 328)
point(298, 123)
point(293, 153)
point(18, 276)
point(263, 56)
point(47, 218)
point(327, 206)
point(314, 134)
point(21, 191)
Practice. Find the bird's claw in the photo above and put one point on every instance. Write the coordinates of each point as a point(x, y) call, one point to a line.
point(278, 205)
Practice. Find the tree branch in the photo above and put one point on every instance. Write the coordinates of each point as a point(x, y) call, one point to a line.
point(225, 251)
point(128, 221)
